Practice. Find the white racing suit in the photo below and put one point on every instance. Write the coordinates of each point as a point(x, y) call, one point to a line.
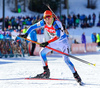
point(56, 29)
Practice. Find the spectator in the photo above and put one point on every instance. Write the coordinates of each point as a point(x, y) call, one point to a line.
point(74, 19)
point(77, 22)
point(76, 42)
point(82, 17)
point(33, 36)
point(94, 18)
point(90, 24)
point(28, 22)
point(89, 18)
point(99, 16)
point(93, 37)
point(24, 30)
point(98, 39)
point(78, 15)
point(6, 22)
point(85, 19)
point(1, 35)
point(69, 21)
point(83, 38)
point(98, 24)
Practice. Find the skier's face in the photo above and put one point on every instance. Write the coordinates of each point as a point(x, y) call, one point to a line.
point(48, 20)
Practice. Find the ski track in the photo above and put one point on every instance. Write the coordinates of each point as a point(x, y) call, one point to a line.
point(30, 66)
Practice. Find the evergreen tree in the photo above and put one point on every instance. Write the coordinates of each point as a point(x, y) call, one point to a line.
point(38, 6)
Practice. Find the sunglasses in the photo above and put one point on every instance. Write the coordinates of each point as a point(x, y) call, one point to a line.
point(47, 17)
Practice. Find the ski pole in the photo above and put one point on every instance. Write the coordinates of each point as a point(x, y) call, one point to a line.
point(76, 58)
point(63, 52)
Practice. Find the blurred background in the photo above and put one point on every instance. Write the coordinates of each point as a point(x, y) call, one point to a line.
point(80, 17)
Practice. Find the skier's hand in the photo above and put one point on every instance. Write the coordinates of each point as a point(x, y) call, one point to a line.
point(44, 44)
point(24, 35)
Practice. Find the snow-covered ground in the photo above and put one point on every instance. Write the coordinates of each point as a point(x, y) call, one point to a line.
point(31, 66)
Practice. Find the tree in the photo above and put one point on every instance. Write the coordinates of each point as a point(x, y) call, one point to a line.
point(38, 6)
point(65, 4)
point(24, 6)
point(91, 4)
point(88, 3)
point(16, 6)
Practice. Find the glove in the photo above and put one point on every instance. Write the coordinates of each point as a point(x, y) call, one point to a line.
point(44, 44)
point(24, 35)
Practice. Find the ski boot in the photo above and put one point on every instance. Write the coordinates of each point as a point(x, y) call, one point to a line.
point(45, 74)
point(77, 78)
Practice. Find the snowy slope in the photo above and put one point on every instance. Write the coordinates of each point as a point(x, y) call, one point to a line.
point(31, 66)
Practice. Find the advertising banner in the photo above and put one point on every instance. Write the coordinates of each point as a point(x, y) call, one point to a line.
point(80, 48)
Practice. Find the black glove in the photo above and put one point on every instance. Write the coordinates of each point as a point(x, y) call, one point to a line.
point(44, 44)
point(24, 35)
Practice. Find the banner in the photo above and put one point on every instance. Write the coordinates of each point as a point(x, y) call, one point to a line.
point(78, 48)
point(91, 47)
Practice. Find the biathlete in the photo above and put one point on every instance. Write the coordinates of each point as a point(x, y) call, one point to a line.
point(58, 40)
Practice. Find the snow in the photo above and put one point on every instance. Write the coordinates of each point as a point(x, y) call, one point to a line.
point(31, 66)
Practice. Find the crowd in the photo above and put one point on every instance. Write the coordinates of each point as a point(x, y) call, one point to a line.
point(72, 21)
point(21, 23)
point(83, 21)
point(95, 38)
point(10, 46)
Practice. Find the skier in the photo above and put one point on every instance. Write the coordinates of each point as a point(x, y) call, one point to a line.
point(58, 40)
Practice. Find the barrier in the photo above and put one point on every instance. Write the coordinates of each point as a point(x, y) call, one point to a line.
point(91, 47)
point(80, 48)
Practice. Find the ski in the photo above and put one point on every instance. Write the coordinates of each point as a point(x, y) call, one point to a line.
point(76, 58)
point(32, 78)
point(81, 83)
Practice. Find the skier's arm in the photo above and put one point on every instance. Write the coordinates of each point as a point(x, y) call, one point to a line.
point(35, 26)
point(53, 39)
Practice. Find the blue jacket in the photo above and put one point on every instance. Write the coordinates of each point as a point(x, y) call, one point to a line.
point(33, 35)
point(83, 38)
point(93, 38)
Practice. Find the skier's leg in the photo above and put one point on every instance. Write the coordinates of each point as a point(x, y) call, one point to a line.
point(46, 73)
point(43, 53)
point(69, 63)
point(71, 66)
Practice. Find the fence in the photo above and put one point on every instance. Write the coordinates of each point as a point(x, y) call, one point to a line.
point(80, 48)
